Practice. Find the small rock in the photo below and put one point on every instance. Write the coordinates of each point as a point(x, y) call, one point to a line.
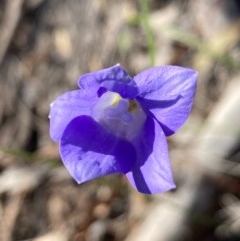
point(101, 211)
point(99, 231)
point(22, 179)
point(104, 194)
point(53, 236)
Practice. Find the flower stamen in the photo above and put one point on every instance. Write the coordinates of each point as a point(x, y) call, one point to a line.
point(121, 116)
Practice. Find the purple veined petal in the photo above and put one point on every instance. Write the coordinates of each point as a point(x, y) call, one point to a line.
point(168, 93)
point(68, 106)
point(151, 172)
point(114, 79)
point(88, 151)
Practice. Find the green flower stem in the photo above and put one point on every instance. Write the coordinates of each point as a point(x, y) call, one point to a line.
point(144, 4)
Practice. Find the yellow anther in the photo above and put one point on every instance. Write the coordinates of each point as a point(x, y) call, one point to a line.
point(132, 106)
point(116, 99)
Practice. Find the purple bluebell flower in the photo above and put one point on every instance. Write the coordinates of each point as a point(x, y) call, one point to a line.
point(118, 124)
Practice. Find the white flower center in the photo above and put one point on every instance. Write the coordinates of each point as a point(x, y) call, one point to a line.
point(123, 117)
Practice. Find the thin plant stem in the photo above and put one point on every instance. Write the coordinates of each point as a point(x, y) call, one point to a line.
point(144, 5)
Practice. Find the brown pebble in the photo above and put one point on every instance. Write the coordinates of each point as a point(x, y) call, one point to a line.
point(104, 194)
point(101, 211)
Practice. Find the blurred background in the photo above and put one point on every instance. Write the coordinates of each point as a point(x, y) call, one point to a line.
point(45, 45)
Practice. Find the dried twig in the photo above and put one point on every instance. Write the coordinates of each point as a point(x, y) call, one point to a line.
point(10, 21)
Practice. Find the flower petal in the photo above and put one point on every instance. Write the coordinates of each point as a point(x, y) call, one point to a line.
point(68, 106)
point(114, 79)
point(151, 172)
point(168, 93)
point(88, 151)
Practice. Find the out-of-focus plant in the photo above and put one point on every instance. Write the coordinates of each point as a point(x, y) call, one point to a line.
point(144, 20)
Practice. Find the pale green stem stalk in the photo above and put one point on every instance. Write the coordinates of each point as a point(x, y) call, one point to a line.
point(144, 4)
